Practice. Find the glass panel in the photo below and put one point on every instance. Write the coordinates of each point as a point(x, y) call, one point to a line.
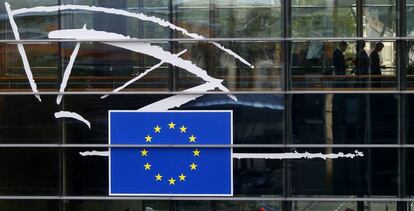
point(263, 126)
point(379, 18)
point(344, 119)
point(317, 65)
point(264, 56)
point(380, 206)
point(195, 205)
point(227, 19)
point(29, 171)
point(323, 18)
point(375, 174)
point(102, 205)
point(319, 206)
point(252, 177)
point(409, 118)
point(32, 205)
point(24, 120)
point(249, 205)
point(258, 177)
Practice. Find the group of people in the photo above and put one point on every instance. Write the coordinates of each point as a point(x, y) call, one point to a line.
point(364, 64)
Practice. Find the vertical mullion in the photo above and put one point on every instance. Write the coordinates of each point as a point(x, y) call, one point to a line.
point(285, 71)
point(172, 16)
point(360, 16)
point(401, 77)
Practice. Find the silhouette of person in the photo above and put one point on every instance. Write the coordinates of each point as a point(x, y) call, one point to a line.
point(374, 59)
point(361, 60)
point(339, 59)
point(375, 64)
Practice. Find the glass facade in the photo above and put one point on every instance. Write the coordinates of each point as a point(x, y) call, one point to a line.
point(279, 58)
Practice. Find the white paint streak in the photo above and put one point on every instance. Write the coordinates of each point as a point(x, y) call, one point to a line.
point(140, 47)
point(277, 156)
point(141, 75)
point(139, 16)
point(178, 100)
point(67, 73)
point(95, 153)
point(297, 155)
point(22, 52)
point(67, 114)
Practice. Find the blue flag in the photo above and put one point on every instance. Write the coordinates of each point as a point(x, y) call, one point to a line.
point(170, 170)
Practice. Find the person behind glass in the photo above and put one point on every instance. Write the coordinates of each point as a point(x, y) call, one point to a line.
point(375, 64)
point(340, 64)
point(339, 59)
point(361, 63)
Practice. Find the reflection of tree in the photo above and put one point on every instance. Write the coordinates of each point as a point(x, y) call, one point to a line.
point(323, 20)
point(410, 68)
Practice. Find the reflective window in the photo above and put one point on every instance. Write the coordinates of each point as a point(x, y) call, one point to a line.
point(379, 18)
point(258, 119)
point(324, 18)
point(373, 175)
point(344, 119)
point(317, 65)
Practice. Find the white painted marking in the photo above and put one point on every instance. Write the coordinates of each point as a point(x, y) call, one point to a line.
point(178, 100)
point(296, 155)
point(277, 156)
point(67, 73)
point(141, 75)
point(22, 52)
point(95, 153)
point(140, 47)
point(139, 16)
point(67, 114)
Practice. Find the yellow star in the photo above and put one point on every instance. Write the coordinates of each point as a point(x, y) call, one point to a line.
point(148, 138)
point(183, 129)
point(157, 129)
point(147, 166)
point(158, 177)
point(196, 153)
point(172, 125)
point(172, 181)
point(182, 177)
point(144, 153)
point(193, 166)
point(192, 138)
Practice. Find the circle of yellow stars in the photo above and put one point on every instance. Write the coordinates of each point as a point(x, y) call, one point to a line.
point(191, 139)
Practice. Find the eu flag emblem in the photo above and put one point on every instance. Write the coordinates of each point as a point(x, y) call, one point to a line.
point(172, 156)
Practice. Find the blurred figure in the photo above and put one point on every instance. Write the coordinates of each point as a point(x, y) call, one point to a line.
point(339, 59)
point(375, 64)
point(375, 61)
point(361, 60)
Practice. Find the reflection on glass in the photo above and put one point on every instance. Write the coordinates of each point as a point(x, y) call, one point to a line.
point(248, 205)
point(375, 174)
point(323, 18)
point(86, 205)
point(318, 206)
point(344, 119)
point(343, 65)
point(264, 56)
point(379, 18)
point(258, 177)
point(29, 171)
point(32, 205)
point(257, 119)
